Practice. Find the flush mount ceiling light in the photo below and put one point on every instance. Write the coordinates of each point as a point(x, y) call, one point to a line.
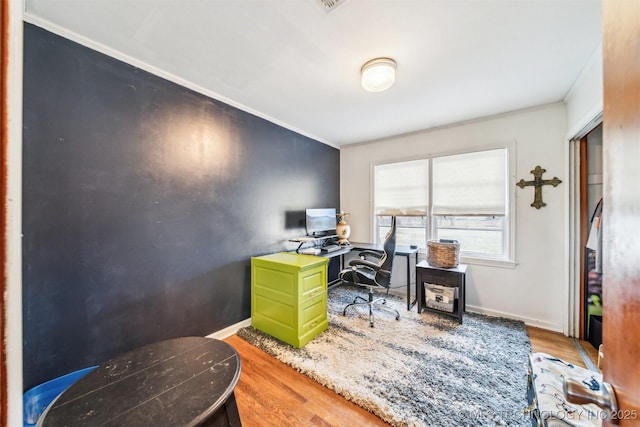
point(378, 74)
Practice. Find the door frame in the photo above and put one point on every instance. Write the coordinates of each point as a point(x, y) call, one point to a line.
point(4, 64)
point(11, 160)
point(577, 229)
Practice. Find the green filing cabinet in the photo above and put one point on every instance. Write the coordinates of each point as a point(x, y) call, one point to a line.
point(289, 296)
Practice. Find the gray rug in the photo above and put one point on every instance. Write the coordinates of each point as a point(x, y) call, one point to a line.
point(423, 370)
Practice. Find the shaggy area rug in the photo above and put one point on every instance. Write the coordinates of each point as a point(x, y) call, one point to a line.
point(423, 370)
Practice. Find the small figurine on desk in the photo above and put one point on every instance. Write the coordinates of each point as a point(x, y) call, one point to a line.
point(343, 230)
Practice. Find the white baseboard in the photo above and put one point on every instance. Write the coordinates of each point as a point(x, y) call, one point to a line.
point(527, 320)
point(230, 330)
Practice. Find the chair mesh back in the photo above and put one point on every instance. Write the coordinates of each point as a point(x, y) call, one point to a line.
point(386, 262)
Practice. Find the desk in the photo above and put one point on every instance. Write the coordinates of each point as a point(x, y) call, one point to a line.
point(405, 251)
point(180, 382)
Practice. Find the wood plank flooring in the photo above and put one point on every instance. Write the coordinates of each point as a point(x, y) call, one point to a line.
point(560, 346)
point(270, 393)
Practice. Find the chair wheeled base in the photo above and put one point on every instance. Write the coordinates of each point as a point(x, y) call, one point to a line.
point(371, 303)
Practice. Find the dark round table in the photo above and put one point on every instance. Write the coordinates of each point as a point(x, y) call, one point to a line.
point(185, 381)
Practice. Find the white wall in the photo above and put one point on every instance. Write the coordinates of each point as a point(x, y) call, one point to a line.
point(585, 99)
point(584, 104)
point(533, 291)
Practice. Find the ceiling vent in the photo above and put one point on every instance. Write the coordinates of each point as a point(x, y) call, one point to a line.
point(330, 5)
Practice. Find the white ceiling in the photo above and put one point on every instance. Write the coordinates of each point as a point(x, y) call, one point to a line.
point(296, 64)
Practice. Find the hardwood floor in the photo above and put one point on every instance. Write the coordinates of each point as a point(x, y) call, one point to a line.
point(270, 393)
point(560, 346)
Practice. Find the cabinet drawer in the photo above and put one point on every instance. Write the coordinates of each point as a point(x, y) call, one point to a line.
point(275, 280)
point(450, 279)
point(313, 293)
point(273, 311)
point(313, 283)
point(313, 314)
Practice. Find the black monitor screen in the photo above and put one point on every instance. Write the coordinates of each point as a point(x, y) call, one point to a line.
point(321, 222)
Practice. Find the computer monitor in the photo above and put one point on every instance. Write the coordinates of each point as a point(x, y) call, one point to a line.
point(321, 222)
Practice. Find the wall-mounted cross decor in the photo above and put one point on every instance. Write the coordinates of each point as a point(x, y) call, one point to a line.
point(537, 183)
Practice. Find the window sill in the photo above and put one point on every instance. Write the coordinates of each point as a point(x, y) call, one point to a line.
point(489, 262)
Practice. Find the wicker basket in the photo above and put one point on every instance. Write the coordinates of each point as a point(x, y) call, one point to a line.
point(441, 254)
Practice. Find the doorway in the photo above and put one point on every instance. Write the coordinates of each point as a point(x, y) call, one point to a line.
point(585, 194)
point(591, 188)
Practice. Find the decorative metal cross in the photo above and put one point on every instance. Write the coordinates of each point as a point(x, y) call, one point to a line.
point(537, 183)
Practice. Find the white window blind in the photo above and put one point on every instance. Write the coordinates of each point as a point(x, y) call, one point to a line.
point(470, 184)
point(402, 187)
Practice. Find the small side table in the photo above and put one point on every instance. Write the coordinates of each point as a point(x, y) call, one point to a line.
point(452, 277)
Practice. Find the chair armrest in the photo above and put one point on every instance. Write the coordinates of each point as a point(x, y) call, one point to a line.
point(368, 264)
point(364, 263)
point(368, 252)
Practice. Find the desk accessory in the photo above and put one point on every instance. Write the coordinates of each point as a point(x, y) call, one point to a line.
point(343, 230)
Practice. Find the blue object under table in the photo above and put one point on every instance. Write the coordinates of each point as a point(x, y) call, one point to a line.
point(185, 381)
point(36, 400)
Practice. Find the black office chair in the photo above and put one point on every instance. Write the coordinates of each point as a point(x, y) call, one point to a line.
point(373, 275)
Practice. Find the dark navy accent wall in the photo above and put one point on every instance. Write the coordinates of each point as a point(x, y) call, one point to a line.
point(143, 202)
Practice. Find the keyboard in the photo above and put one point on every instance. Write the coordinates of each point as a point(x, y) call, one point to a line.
point(309, 251)
point(331, 248)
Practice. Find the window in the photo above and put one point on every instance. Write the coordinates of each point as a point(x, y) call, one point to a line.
point(469, 201)
point(402, 185)
point(468, 195)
